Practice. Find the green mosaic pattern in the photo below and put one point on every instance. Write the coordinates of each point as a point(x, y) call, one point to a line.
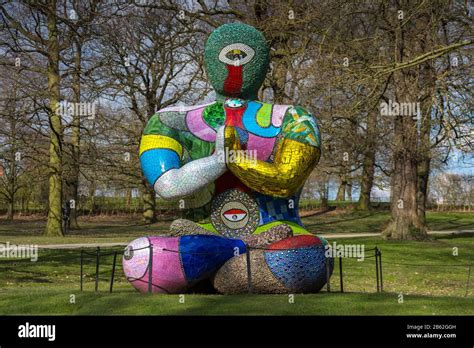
point(264, 115)
point(155, 126)
point(300, 125)
point(297, 229)
point(193, 147)
point(214, 115)
point(196, 147)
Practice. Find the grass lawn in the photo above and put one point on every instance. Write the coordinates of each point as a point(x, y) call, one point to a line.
point(375, 221)
point(44, 287)
point(57, 302)
point(122, 229)
point(95, 229)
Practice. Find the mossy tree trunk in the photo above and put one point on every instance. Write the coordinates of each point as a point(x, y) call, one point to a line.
point(76, 134)
point(341, 192)
point(424, 166)
point(405, 222)
point(412, 147)
point(54, 222)
point(149, 202)
point(11, 177)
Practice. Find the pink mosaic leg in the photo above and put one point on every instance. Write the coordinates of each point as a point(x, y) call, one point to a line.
point(167, 274)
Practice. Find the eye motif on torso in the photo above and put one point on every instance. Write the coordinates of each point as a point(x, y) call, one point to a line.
point(235, 215)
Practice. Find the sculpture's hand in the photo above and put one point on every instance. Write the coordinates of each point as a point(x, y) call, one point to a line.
point(232, 140)
point(194, 175)
point(296, 154)
point(220, 143)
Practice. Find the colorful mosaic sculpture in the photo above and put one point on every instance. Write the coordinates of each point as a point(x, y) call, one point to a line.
point(252, 156)
point(178, 262)
point(293, 265)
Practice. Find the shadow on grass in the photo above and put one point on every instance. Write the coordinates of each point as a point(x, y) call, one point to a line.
point(343, 219)
point(457, 235)
point(58, 265)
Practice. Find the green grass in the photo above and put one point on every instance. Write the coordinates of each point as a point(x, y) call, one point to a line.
point(92, 230)
point(375, 221)
point(57, 301)
point(116, 229)
point(45, 287)
point(449, 279)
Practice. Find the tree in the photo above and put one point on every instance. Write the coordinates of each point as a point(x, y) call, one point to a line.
point(415, 37)
point(39, 35)
point(152, 64)
point(11, 145)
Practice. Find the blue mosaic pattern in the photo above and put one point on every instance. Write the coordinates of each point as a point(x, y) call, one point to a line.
point(243, 135)
point(249, 120)
point(155, 162)
point(301, 269)
point(277, 209)
point(202, 255)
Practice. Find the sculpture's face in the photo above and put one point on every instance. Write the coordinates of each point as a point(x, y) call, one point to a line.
point(236, 59)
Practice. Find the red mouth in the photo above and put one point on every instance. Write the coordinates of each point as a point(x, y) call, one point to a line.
point(233, 82)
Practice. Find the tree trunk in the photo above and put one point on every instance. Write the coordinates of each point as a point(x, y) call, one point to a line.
point(349, 190)
point(54, 223)
point(366, 182)
point(128, 199)
point(341, 192)
point(76, 135)
point(423, 177)
point(427, 79)
point(368, 165)
point(11, 176)
point(324, 203)
point(149, 202)
point(424, 170)
point(92, 189)
point(323, 194)
point(409, 179)
point(405, 222)
point(11, 209)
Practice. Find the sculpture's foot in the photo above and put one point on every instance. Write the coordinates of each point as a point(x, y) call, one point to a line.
point(268, 237)
point(174, 265)
point(232, 278)
point(182, 227)
point(293, 265)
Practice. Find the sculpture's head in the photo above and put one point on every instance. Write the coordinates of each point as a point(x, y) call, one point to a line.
point(236, 59)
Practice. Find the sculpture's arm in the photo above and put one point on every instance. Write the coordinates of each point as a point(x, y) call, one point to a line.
point(297, 153)
point(161, 162)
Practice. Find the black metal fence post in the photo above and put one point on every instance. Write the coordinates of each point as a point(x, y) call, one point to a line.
point(328, 275)
point(150, 270)
point(380, 270)
point(97, 269)
point(113, 273)
point(468, 278)
point(82, 266)
point(340, 274)
point(377, 267)
point(249, 271)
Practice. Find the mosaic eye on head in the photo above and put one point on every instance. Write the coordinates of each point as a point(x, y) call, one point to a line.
point(236, 54)
point(236, 59)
